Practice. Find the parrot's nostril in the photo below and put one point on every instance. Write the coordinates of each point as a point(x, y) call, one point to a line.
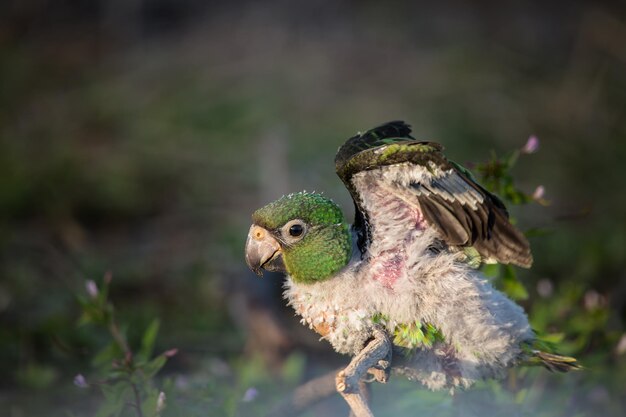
point(258, 233)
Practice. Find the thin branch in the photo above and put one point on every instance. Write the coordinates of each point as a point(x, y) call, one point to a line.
point(358, 404)
point(119, 337)
point(377, 354)
point(137, 399)
point(306, 395)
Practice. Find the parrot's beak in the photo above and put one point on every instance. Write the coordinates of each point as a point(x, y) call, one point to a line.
point(263, 251)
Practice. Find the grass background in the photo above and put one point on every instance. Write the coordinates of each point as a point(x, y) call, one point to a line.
point(137, 137)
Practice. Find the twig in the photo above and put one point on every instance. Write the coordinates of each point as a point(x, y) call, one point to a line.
point(137, 399)
point(128, 359)
point(358, 404)
point(306, 394)
point(118, 337)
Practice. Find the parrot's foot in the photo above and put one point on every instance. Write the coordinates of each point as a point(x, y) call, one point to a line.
point(381, 371)
point(375, 358)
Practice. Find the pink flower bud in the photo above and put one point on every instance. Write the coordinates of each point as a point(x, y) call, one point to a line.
point(170, 353)
point(532, 145)
point(539, 192)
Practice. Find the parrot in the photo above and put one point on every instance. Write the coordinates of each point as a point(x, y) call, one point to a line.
point(407, 269)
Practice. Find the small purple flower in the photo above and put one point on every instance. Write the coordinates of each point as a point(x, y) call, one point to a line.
point(545, 288)
point(250, 394)
point(532, 145)
point(92, 288)
point(80, 381)
point(539, 192)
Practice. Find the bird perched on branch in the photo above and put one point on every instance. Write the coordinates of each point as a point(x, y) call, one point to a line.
point(403, 277)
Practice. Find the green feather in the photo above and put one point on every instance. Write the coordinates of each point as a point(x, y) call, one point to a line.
point(412, 335)
point(416, 334)
point(314, 209)
point(541, 352)
point(470, 256)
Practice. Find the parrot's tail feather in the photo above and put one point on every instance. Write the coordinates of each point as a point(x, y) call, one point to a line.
point(554, 362)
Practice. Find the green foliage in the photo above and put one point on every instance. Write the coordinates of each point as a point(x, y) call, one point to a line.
point(558, 314)
point(495, 174)
point(125, 378)
point(129, 384)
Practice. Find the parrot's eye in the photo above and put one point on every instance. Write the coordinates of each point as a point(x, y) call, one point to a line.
point(296, 230)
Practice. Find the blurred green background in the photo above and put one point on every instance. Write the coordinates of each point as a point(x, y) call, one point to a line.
point(137, 137)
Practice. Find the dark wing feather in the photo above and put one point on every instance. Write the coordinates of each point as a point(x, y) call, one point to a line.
point(462, 212)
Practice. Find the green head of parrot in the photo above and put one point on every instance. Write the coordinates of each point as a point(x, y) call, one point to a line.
point(303, 234)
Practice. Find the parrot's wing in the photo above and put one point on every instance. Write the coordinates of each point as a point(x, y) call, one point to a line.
point(385, 168)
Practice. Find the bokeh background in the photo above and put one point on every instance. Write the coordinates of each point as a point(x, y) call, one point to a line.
point(137, 136)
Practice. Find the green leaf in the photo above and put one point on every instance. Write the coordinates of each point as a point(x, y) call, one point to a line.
point(151, 368)
point(148, 340)
point(106, 355)
point(553, 337)
point(491, 270)
point(511, 159)
point(116, 395)
point(149, 404)
point(511, 285)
